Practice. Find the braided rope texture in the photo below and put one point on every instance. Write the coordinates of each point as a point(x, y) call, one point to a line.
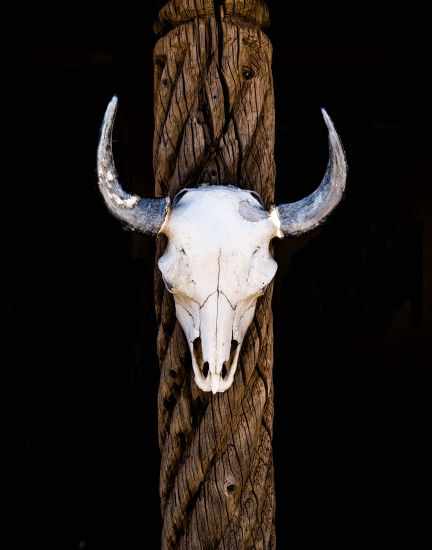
point(214, 123)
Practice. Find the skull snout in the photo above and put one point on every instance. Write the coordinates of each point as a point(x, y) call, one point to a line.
point(214, 372)
point(215, 351)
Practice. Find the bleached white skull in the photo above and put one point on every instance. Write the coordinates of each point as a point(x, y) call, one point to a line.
point(218, 262)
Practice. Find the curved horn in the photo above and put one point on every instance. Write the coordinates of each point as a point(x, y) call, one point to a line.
point(144, 215)
point(301, 216)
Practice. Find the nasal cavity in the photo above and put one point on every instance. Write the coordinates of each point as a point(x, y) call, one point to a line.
point(197, 351)
point(234, 346)
point(206, 368)
point(224, 371)
point(198, 354)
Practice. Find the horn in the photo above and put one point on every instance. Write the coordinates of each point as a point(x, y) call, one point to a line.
point(302, 216)
point(144, 215)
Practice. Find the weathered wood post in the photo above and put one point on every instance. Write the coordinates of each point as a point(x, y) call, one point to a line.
point(215, 123)
point(214, 114)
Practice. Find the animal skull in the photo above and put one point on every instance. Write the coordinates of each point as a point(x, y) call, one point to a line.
point(217, 262)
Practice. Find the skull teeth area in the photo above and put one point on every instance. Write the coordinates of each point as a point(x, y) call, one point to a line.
point(214, 378)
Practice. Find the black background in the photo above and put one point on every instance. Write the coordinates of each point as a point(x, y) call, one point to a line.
point(352, 301)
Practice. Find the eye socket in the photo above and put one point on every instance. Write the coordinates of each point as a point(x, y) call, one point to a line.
point(179, 197)
point(257, 196)
point(262, 271)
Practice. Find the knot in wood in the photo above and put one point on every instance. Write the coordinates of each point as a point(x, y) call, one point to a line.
point(231, 487)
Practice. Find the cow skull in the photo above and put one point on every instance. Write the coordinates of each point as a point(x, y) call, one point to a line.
point(218, 262)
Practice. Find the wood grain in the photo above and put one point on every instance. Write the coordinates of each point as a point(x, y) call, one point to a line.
point(214, 123)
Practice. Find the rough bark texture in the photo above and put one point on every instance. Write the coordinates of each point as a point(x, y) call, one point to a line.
point(214, 123)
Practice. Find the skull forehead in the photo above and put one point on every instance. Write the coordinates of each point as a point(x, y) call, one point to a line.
point(211, 217)
point(214, 244)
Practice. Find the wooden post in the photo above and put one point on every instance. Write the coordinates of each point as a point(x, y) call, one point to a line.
point(215, 123)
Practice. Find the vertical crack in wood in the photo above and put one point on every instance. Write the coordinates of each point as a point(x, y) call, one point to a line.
point(214, 122)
